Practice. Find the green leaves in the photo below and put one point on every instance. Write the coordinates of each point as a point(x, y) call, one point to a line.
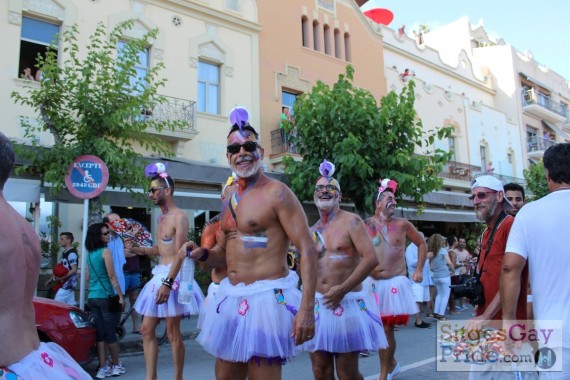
point(92, 104)
point(365, 141)
point(535, 177)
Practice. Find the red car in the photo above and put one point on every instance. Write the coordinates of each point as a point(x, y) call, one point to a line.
point(68, 326)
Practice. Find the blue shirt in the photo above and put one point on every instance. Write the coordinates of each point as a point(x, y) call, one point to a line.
point(117, 249)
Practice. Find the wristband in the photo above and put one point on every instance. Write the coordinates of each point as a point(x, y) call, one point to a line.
point(168, 282)
point(205, 255)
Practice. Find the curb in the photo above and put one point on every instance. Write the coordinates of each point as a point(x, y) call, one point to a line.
point(135, 346)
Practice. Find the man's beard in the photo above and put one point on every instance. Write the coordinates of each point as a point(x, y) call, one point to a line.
point(487, 212)
point(246, 173)
point(326, 204)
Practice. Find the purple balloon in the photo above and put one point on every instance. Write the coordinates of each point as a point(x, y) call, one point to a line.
point(239, 116)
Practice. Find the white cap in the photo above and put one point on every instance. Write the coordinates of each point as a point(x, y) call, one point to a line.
point(492, 183)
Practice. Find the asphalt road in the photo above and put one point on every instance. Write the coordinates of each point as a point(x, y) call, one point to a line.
point(416, 350)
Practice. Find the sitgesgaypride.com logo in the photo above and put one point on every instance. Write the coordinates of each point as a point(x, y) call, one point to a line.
point(519, 346)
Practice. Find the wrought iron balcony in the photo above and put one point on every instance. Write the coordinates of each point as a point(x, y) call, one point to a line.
point(174, 109)
point(460, 171)
point(542, 106)
point(280, 144)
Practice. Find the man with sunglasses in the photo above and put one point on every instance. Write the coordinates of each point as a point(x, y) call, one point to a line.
point(159, 297)
point(347, 318)
point(491, 207)
point(391, 286)
point(259, 314)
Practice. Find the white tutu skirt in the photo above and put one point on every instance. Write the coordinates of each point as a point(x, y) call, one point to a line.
point(252, 321)
point(146, 301)
point(48, 362)
point(395, 299)
point(353, 326)
point(211, 297)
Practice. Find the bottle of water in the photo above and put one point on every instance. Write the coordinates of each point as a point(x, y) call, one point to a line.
point(185, 292)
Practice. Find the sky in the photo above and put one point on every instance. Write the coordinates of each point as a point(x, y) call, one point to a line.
point(539, 26)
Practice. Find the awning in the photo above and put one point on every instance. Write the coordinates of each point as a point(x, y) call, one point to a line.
point(435, 215)
point(188, 199)
point(446, 198)
point(22, 190)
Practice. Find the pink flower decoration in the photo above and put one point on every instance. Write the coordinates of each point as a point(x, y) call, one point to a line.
point(338, 311)
point(394, 290)
point(243, 307)
point(47, 359)
point(387, 183)
point(175, 285)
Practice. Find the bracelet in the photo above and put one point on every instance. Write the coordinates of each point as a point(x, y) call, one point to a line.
point(204, 255)
point(168, 282)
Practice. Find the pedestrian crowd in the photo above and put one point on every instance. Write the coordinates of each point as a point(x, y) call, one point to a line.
point(355, 280)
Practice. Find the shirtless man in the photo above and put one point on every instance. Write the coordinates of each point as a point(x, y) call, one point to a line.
point(347, 318)
point(159, 297)
point(389, 281)
point(22, 356)
point(259, 314)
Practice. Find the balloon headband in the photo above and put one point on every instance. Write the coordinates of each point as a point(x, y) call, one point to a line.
point(157, 169)
point(386, 184)
point(327, 168)
point(239, 119)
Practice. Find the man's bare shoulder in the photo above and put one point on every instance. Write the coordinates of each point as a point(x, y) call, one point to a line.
point(351, 219)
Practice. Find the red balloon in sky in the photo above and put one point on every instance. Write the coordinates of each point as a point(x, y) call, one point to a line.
point(380, 15)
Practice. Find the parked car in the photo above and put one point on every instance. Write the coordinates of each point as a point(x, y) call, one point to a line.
point(68, 326)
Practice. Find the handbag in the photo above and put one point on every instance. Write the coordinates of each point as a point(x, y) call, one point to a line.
point(115, 305)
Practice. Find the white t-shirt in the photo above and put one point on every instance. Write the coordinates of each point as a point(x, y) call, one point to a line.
point(541, 234)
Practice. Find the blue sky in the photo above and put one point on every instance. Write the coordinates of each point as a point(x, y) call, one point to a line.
point(539, 26)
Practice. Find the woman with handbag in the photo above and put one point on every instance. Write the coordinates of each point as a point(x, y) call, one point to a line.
point(105, 298)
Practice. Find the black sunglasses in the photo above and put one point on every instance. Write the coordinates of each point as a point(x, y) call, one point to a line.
point(153, 190)
point(248, 146)
point(105, 233)
point(481, 195)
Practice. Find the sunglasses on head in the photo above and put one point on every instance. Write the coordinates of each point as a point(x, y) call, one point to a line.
point(248, 146)
point(481, 195)
point(326, 187)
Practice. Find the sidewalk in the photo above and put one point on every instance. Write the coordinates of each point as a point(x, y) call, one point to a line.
point(132, 343)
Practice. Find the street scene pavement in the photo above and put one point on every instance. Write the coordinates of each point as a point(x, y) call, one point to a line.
point(416, 350)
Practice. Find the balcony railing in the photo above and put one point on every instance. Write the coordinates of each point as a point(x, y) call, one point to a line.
point(280, 143)
point(531, 96)
point(174, 109)
point(460, 171)
point(538, 144)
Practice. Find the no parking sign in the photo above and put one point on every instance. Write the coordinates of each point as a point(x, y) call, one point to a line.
point(87, 177)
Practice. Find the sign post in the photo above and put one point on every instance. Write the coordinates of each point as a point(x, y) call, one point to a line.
point(86, 178)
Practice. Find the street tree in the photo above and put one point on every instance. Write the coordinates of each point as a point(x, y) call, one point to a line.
point(94, 103)
point(345, 125)
point(535, 177)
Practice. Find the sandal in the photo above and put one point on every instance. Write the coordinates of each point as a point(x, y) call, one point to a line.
point(440, 317)
point(430, 315)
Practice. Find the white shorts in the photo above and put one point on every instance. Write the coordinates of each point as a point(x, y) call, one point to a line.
point(66, 296)
point(421, 293)
point(48, 362)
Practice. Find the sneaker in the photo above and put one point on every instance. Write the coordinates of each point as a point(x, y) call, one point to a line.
point(394, 372)
point(121, 367)
point(116, 370)
point(104, 372)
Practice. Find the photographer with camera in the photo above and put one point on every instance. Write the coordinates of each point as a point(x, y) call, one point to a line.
point(482, 289)
point(490, 204)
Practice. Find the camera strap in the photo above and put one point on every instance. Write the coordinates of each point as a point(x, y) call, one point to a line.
point(502, 216)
